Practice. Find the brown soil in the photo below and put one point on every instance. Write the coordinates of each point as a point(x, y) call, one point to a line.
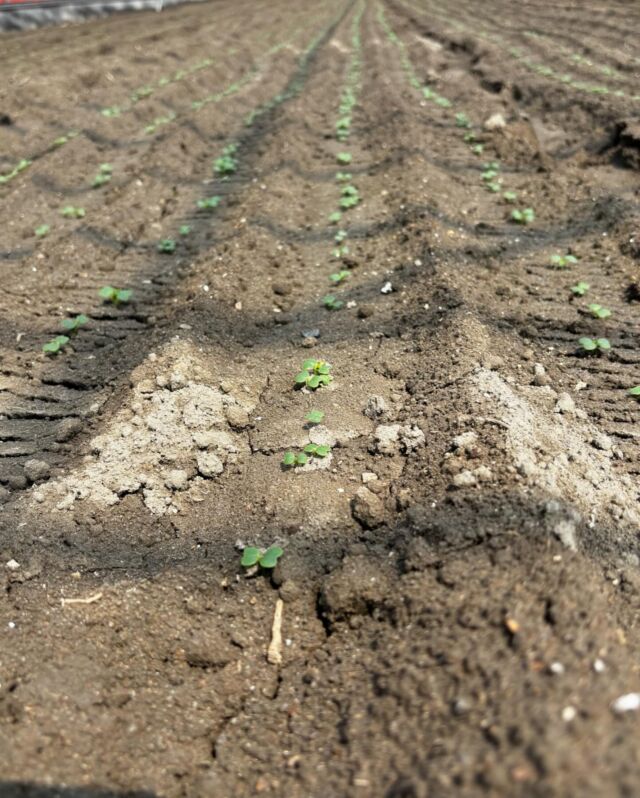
point(460, 578)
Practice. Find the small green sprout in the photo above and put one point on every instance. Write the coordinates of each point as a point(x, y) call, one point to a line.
point(331, 303)
point(208, 203)
point(265, 559)
point(635, 391)
point(115, 295)
point(349, 202)
point(524, 216)
point(509, 196)
point(489, 174)
point(185, 229)
point(167, 246)
point(493, 187)
point(340, 252)
point(315, 416)
point(340, 236)
point(73, 325)
point(581, 288)
point(339, 277)
point(598, 311)
point(595, 344)
point(105, 169)
point(317, 450)
point(343, 177)
point(54, 346)
point(42, 230)
point(335, 217)
point(344, 157)
point(462, 120)
point(314, 374)
point(70, 212)
point(291, 459)
point(477, 149)
point(428, 93)
point(469, 137)
point(226, 164)
point(562, 261)
point(443, 102)
point(60, 141)
point(100, 180)
point(114, 110)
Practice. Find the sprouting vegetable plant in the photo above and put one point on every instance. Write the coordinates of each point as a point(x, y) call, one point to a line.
point(167, 246)
point(73, 325)
point(599, 311)
point(54, 346)
point(510, 196)
point(314, 374)
point(208, 203)
point(595, 344)
point(635, 391)
point(103, 176)
point(291, 459)
point(462, 120)
point(71, 212)
point(580, 289)
point(344, 157)
point(314, 416)
point(226, 164)
point(115, 295)
point(335, 217)
point(477, 149)
point(339, 277)
point(114, 110)
point(340, 236)
point(562, 261)
point(185, 229)
point(524, 216)
point(317, 450)
point(42, 230)
point(265, 559)
point(331, 302)
point(343, 177)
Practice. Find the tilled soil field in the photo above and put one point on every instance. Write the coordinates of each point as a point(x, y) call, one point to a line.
point(441, 201)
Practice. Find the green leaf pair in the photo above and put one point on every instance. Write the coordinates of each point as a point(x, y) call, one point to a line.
point(265, 559)
point(115, 295)
point(314, 374)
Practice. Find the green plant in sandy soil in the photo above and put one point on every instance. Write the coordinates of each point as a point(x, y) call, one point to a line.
point(562, 261)
point(510, 196)
point(335, 217)
point(42, 230)
point(317, 450)
point(635, 391)
point(340, 236)
point(339, 277)
point(331, 302)
point(112, 111)
point(580, 289)
point(292, 459)
point(594, 345)
point(523, 216)
point(72, 325)
point(443, 102)
point(184, 230)
point(477, 149)
point(226, 164)
point(23, 164)
point(350, 197)
point(116, 296)
point(340, 252)
point(344, 157)
point(56, 345)
point(462, 120)
point(103, 176)
point(599, 311)
point(314, 416)
point(167, 246)
point(209, 203)
point(265, 559)
point(71, 212)
point(314, 374)
point(343, 177)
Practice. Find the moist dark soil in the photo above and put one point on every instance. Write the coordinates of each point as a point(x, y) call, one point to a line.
point(460, 582)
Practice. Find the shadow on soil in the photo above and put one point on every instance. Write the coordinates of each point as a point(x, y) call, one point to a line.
point(21, 789)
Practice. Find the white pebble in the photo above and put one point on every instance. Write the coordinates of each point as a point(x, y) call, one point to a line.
point(12, 565)
point(599, 666)
point(569, 714)
point(630, 702)
point(387, 288)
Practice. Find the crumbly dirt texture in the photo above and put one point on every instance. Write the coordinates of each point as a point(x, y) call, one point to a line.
point(455, 611)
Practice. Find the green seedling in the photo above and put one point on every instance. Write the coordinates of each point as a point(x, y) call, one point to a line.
point(335, 217)
point(524, 216)
point(493, 187)
point(42, 230)
point(100, 180)
point(343, 177)
point(167, 246)
point(462, 120)
point(339, 277)
point(265, 559)
point(209, 203)
point(598, 311)
point(510, 196)
point(443, 102)
point(115, 295)
point(595, 344)
point(54, 346)
point(580, 289)
point(340, 236)
point(340, 252)
point(635, 391)
point(291, 459)
point(489, 174)
point(562, 261)
point(317, 450)
point(185, 229)
point(428, 93)
point(344, 157)
point(477, 149)
point(314, 374)
point(73, 325)
point(349, 202)
point(114, 110)
point(105, 169)
point(70, 212)
point(226, 164)
point(469, 137)
point(315, 416)
point(60, 141)
point(331, 302)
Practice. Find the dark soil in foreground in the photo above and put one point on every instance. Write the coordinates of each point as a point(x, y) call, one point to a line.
point(461, 575)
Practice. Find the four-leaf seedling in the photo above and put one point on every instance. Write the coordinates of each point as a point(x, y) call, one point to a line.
point(524, 216)
point(562, 261)
point(314, 374)
point(598, 311)
point(208, 203)
point(581, 288)
point(265, 559)
point(54, 346)
point(595, 344)
point(71, 212)
point(167, 246)
point(331, 302)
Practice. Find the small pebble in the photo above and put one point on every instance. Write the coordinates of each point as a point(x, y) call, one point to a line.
point(630, 702)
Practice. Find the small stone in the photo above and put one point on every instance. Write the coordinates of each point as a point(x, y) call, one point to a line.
point(565, 531)
point(483, 473)
point(387, 288)
point(557, 668)
point(465, 479)
point(411, 436)
point(386, 436)
point(146, 386)
point(366, 310)
point(314, 333)
point(569, 714)
point(177, 381)
point(599, 666)
point(492, 362)
point(369, 476)
point(35, 470)
point(495, 122)
point(375, 407)
point(177, 479)
point(565, 404)
point(12, 565)
point(465, 440)
point(209, 464)
point(308, 343)
point(367, 508)
point(237, 417)
point(281, 289)
point(630, 702)
point(602, 442)
point(4, 495)
point(67, 428)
